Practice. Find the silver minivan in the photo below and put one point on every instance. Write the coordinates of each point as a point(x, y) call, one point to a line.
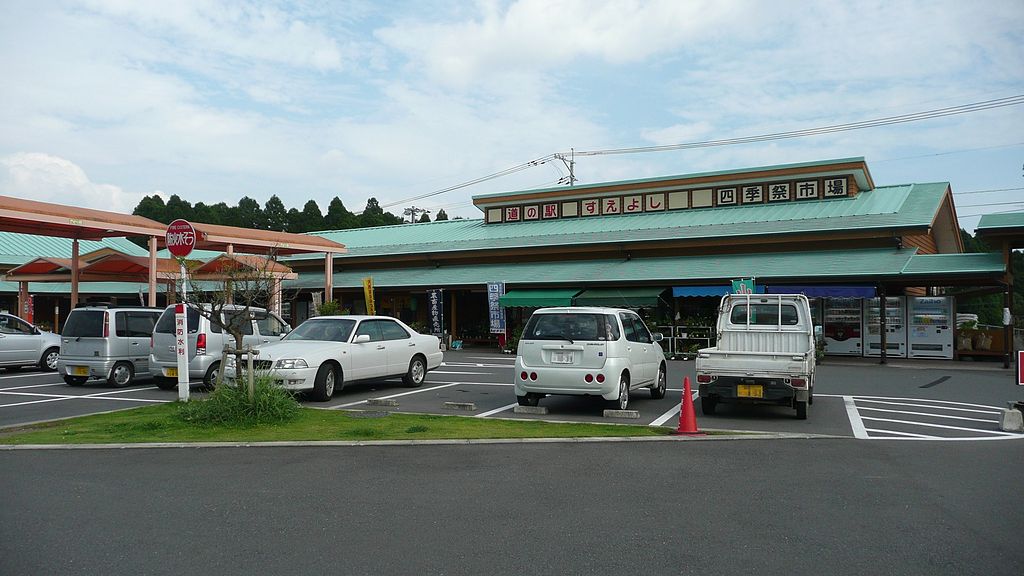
point(108, 343)
point(206, 341)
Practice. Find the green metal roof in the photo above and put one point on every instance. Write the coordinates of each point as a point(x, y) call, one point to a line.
point(1008, 220)
point(861, 177)
point(17, 249)
point(537, 298)
point(826, 265)
point(645, 296)
point(889, 207)
point(83, 287)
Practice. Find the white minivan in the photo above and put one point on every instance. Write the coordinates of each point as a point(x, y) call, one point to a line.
point(588, 352)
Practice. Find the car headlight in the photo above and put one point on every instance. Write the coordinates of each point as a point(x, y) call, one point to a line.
point(287, 363)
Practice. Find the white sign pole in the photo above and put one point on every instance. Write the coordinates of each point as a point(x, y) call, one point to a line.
point(181, 337)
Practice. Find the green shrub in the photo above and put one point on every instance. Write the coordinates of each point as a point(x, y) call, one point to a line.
point(231, 406)
point(329, 308)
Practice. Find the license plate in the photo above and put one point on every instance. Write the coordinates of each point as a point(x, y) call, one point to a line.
point(561, 357)
point(171, 372)
point(750, 391)
point(79, 370)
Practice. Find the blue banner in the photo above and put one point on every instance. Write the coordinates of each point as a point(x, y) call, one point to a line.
point(495, 290)
point(435, 302)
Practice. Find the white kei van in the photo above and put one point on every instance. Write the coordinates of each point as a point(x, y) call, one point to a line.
point(588, 352)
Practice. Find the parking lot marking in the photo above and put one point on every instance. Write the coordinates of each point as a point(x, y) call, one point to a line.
point(496, 410)
point(32, 386)
point(855, 421)
point(664, 417)
point(449, 372)
point(473, 365)
point(873, 398)
point(911, 423)
point(417, 391)
point(905, 434)
point(927, 406)
point(10, 376)
point(944, 416)
point(59, 397)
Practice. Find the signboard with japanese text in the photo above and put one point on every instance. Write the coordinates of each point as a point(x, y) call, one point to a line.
point(181, 350)
point(435, 305)
point(180, 238)
point(495, 290)
point(371, 308)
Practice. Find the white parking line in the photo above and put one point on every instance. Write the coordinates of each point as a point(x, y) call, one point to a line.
point(9, 376)
point(906, 434)
point(910, 423)
point(855, 421)
point(32, 386)
point(472, 365)
point(665, 417)
point(450, 372)
point(944, 416)
point(863, 401)
point(417, 391)
point(873, 398)
point(96, 396)
point(496, 410)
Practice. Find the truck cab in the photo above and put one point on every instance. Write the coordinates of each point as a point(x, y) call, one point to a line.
point(765, 354)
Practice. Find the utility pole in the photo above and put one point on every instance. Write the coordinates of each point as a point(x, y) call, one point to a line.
point(413, 212)
point(570, 164)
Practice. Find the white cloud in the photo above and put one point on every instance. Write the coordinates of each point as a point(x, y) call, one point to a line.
point(36, 176)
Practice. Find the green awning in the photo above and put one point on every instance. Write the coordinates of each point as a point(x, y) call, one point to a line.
point(642, 297)
point(538, 298)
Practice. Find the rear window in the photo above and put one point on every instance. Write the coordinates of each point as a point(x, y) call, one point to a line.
point(571, 327)
point(135, 324)
point(764, 315)
point(166, 323)
point(84, 323)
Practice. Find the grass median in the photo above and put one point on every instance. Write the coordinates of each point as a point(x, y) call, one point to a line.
point(162, 424)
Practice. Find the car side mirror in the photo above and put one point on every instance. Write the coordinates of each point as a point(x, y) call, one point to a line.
point(361, 338)
point(657, 336)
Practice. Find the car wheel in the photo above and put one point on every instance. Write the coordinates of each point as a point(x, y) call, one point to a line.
point(658, 389)
point(49, 360)
point(75, 380)
point(165, 383)
point(121, 375)
point(622, 402)
point(417, 372)
point(323, 385)
point(801, 409)
point(707, 405)
point(210, 378)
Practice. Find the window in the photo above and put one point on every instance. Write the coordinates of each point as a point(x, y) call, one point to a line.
point(569, 327)
point(12, 325)
point(165, 325)
point(611, 327)
point(240, 319)
point(140, 324)
point(635, 329)
point(628, 327)
point(764, 315)
point(85, 323)
point(370, 328)
point(390, 330)
point(270, 325)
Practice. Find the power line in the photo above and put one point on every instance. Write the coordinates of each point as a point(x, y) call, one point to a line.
point(986, 191)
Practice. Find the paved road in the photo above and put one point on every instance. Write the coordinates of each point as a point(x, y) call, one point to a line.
point(765, 507)
point(910, 400)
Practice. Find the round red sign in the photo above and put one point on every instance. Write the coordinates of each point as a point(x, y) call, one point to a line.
point(180, 238)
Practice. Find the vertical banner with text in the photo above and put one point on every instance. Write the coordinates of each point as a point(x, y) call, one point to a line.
point(435, 302)
point(371, 309)
point(495, 290)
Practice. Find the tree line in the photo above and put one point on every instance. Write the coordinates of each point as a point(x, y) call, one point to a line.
point(272, 215)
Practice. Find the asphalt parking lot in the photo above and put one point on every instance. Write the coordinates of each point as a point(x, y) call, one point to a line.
point(853, 398)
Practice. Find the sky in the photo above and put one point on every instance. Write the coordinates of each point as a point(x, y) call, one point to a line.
point(105, 102)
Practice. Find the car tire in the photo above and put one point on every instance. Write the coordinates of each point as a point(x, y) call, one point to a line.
point(165, 383)
point(49, 360)
point(417, 372)
point(708, 405)
point(801, 409)
point(210, 378)
point(323, 385)
point(622, 402)
point(528, 400)
point(121, 375)
point(75, 380)
point(658, 388)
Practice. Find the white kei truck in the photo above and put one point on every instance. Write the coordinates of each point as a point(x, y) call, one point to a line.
point(765, 353)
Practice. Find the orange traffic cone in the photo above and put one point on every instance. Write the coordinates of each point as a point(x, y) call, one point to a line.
point(687, 416)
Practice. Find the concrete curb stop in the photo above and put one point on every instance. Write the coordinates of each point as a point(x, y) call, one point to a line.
point(382, 402)
point(632, 414)
point(469, 406)
point(542, 410)
point(1011, 419)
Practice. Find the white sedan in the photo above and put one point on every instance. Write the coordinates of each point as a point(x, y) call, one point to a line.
point(325, 352)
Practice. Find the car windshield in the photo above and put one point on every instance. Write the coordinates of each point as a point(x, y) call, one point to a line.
point(324, 329)
point(567, 327)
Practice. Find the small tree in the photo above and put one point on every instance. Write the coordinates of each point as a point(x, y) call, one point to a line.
point(244, 282)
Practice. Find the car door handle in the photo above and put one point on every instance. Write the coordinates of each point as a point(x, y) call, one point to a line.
point(380, 347)
point(135, 343)
point(412, 344)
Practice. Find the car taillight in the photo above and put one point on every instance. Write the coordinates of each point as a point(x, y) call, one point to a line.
point(201, 344)
point(589, 378)
point(533, 375)
point(600, 377)
point(703, 378)
point(798, 383)
point(106, 324)
point(523, 375)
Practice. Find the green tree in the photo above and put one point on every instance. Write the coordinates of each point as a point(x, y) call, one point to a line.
point(152, 207)
point(374, 215)
point(424, 218)
point(275, 215)
point(311, 217)
point(248, 214)
point(441, 215)
point(178, 208)
point(338, 217)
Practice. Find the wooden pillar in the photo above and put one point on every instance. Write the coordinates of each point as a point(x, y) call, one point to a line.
point(74, 273)
point(882, 322)
point(275, 297)
point(22, 311)
point(328, 276)
point(152, 271)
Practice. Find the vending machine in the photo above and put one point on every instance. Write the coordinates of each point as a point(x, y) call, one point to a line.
point(895, 327)
point(843, 326)
point(931, 327)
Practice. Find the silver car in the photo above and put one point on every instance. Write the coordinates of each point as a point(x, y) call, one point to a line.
point(106, 342)
point(22, 344)
point(206, 341)
point(604, 352)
